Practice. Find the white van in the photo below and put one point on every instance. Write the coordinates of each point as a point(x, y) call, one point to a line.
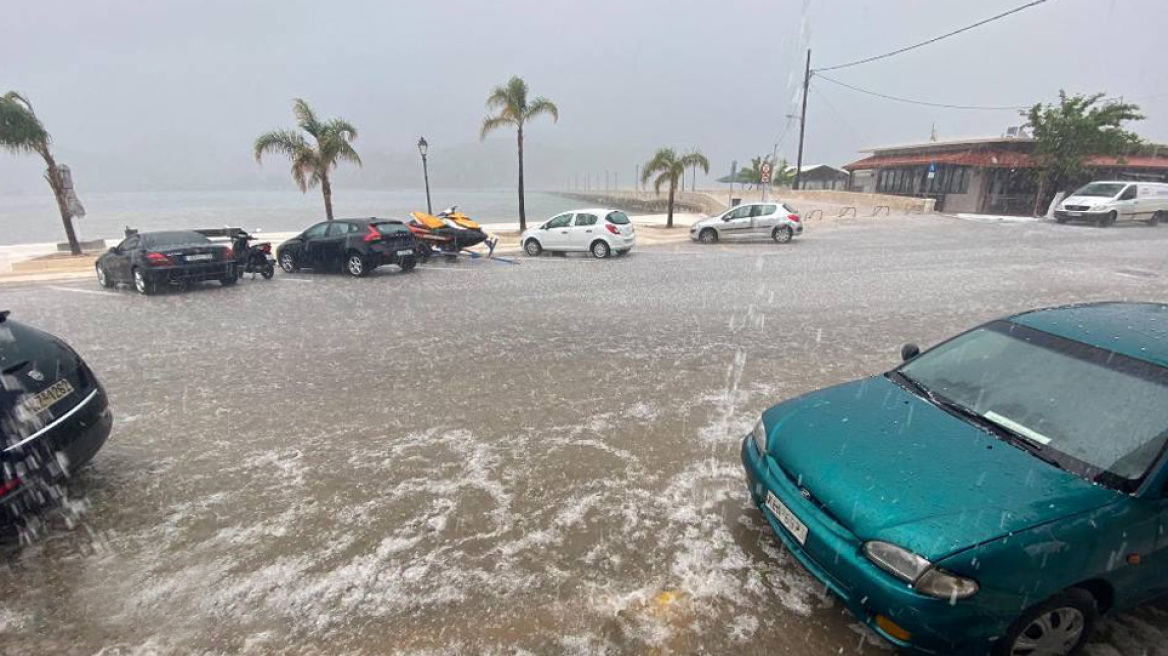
point(1104, 203)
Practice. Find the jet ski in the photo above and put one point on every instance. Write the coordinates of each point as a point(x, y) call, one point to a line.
point(448, 232)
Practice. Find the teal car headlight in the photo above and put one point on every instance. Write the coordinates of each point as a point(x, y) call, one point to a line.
point(943, 585)
point(919, 572)
point(760, 437)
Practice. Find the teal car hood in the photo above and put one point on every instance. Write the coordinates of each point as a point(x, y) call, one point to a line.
point(889, 465)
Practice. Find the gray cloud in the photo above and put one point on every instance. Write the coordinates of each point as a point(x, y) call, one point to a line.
point(169, 95)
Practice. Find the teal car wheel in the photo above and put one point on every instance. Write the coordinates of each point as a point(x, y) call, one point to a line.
point(1058, 627)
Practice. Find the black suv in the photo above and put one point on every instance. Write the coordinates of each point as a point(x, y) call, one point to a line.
point(356, 246)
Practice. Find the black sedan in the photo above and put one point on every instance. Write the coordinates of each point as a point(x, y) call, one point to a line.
point(149, 260)
point(356, 246)
point(54, 417)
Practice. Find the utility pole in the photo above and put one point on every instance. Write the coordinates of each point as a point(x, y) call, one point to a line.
point(803, 122)
point(637, 178)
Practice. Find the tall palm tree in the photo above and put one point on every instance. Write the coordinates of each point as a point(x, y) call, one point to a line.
point(668, 167)
point(511, 107)
point(311, 165)
point(21, 131)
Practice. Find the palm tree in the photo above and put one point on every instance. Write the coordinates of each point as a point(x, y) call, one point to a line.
point(311, 165)
point(21, 131)
point(670, 168)
point(511, 107)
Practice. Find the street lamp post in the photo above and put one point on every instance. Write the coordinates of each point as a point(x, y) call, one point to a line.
point(422, 147)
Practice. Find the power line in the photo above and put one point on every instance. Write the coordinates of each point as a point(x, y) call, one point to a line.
point(934, 39)
point(822, 96)
point(919, 102)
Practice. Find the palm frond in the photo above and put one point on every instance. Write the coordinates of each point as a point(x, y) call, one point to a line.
point(541, 106)
point(492, 123)
point(305, 169)
point(341, 127)
point(348, 154)
point(662, 160)
point(665, 176)
point(305, 117)
point(20, 129)
point(696, 159)
point(285, 142)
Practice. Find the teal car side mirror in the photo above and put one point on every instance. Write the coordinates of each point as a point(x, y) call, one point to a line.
point(909, 351)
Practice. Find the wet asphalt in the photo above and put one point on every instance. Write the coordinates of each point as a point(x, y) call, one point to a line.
point(485, 457)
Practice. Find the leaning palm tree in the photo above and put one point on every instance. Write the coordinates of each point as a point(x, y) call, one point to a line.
point(311, 165)
point(668, 167)
point(511, 107)
point(21, 131)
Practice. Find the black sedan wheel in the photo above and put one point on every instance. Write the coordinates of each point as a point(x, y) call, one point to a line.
point(288, 262)
point(141, 284)
point(103, 278)
point(408, 265)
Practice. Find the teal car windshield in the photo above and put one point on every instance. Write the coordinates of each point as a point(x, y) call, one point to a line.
point(1096, 413)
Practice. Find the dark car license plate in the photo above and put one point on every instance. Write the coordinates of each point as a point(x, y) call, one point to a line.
point(201, 257)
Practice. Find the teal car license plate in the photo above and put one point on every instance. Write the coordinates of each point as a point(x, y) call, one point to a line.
point(786, 518)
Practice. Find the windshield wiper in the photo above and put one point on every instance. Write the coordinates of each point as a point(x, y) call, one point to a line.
point(1006, 433)
point(1002, 432)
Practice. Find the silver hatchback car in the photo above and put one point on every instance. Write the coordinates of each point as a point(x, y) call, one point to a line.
point(774, 219)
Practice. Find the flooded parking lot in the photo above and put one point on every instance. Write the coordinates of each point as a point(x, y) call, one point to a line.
point(491, 458)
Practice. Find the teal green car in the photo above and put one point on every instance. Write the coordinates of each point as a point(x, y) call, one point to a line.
point(994, 494)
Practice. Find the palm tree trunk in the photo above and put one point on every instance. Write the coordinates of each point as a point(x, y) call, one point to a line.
point(672, 189)
point(54, 177)
point(522, 212)
point(1038, 194)
point(326, 188)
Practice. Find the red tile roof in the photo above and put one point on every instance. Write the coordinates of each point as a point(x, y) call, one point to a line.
point(995, 159)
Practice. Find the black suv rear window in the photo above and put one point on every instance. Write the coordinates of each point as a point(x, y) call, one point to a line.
point(390, 227)
point(175, 239)
point(619, 218)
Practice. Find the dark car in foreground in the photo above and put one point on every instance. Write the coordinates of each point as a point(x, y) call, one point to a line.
point(54, 417)
point(151, 260)
point(355, 246)
point(994, 494)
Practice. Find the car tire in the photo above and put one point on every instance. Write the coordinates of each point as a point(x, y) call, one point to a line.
point(103, 278)
point(782, 234)
point(408, 265)
point(1063, 624)
point(355, 265)
point(288, 262)
point(141, 284)
point(228, 281)
point(1154, 220)
point(532, 247)
point(600, 249)
point(1107, 220)
point(708, 236)
point(268, 272)
point(1060, 219)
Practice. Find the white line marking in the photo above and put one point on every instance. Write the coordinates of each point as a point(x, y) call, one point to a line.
point(292, 280)
point(81, 291)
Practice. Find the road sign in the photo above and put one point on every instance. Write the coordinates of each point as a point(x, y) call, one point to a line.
point(765, 171)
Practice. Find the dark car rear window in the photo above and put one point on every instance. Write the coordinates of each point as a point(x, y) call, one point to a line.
point(619, 218)
point(174, 239)
point(390, 227)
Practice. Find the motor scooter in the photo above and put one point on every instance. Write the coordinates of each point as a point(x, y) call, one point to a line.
point(252, 258)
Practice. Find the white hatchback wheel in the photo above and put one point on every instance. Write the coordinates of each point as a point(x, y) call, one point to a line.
point(600, 250)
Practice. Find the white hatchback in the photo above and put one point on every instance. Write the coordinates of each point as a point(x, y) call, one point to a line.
point(597, 231)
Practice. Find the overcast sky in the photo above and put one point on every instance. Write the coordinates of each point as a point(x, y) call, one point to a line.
point(171, 94)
